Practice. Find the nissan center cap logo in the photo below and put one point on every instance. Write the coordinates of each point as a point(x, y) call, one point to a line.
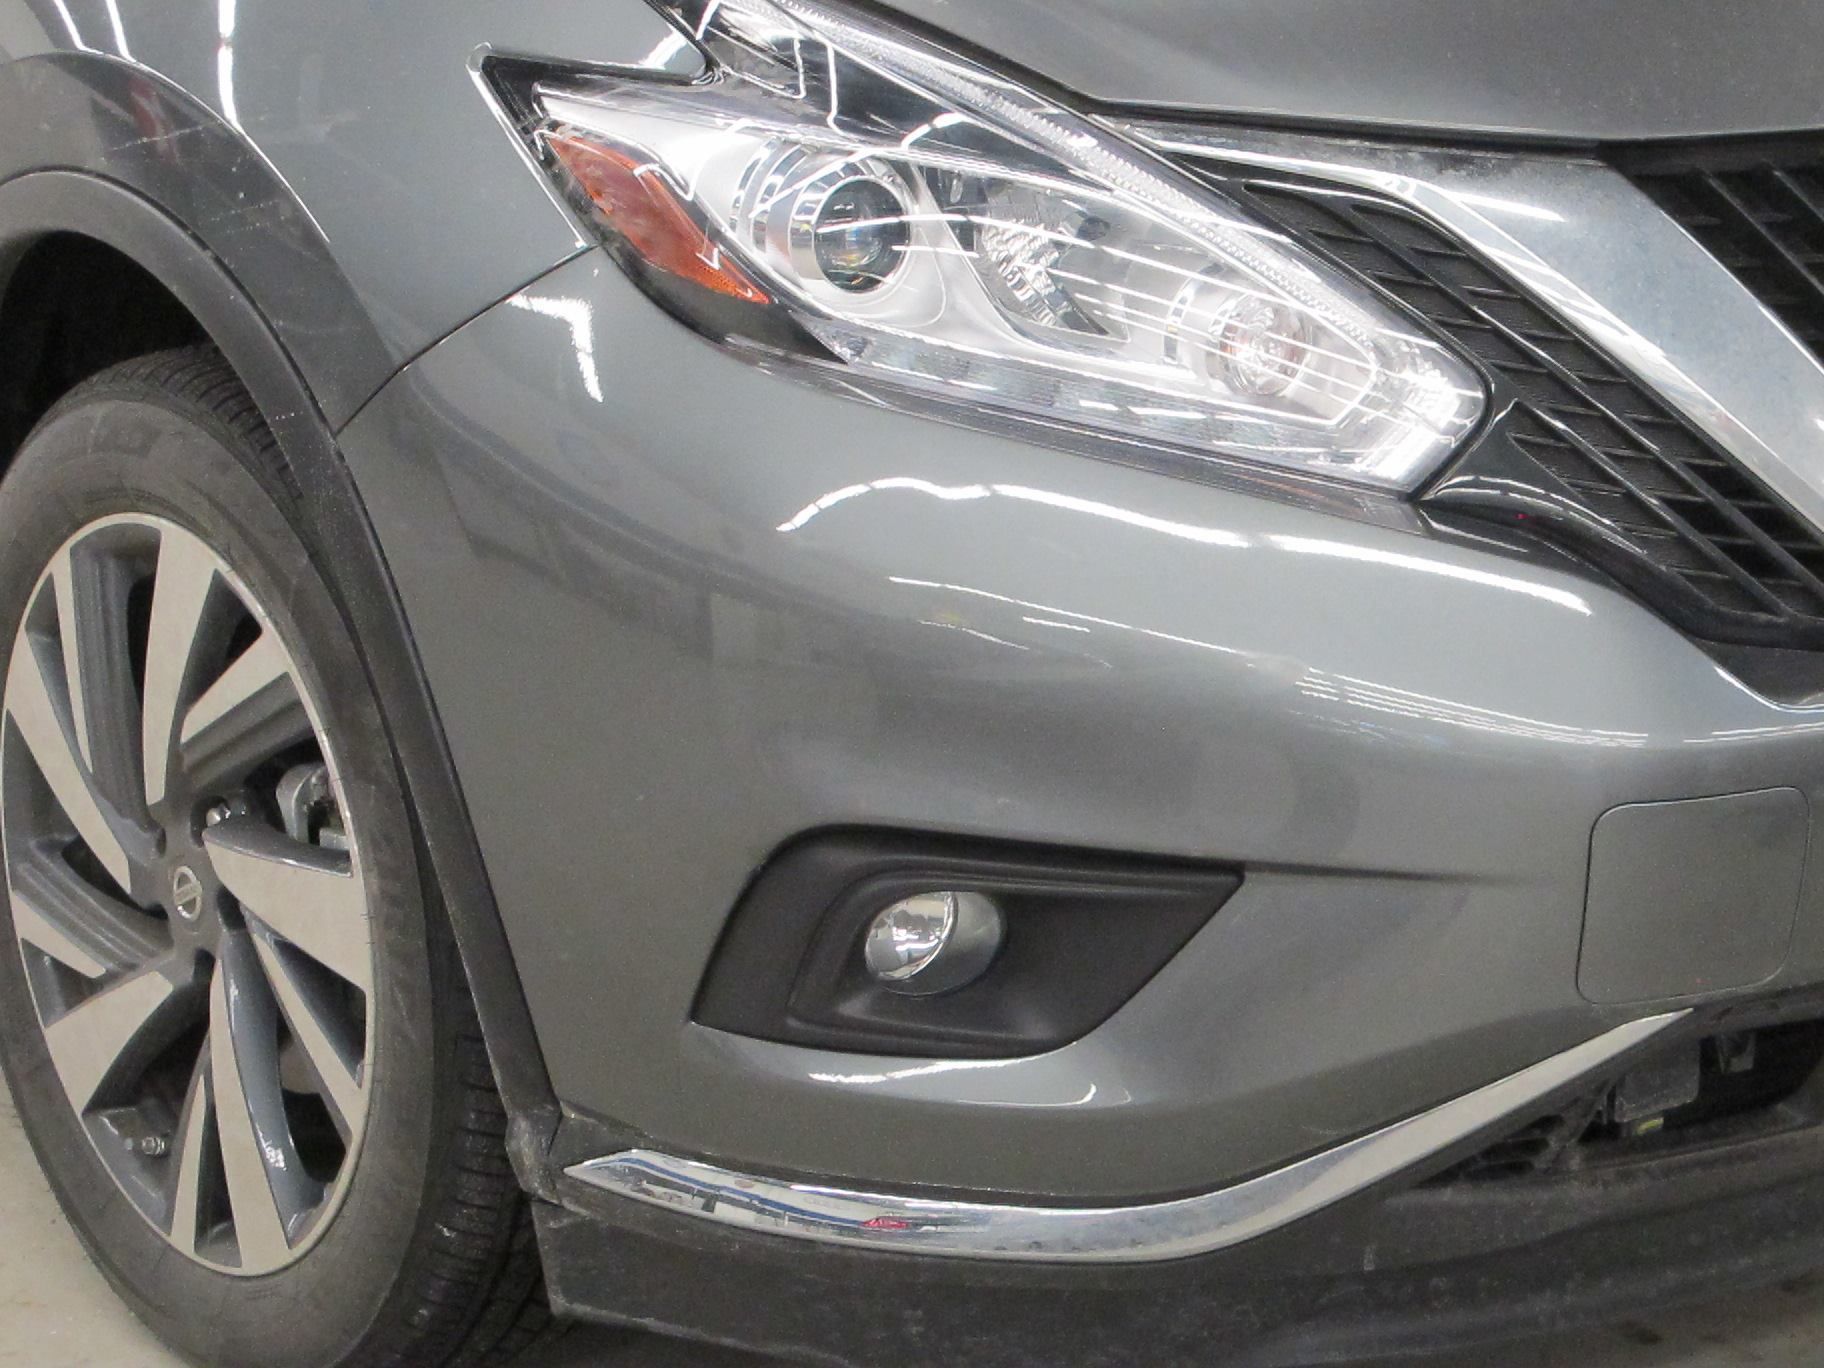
point(187, 893)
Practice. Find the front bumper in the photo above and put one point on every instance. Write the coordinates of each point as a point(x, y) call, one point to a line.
point(649, 686)
point(677, 610)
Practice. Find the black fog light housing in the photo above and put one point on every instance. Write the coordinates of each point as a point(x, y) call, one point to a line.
point(807, 960)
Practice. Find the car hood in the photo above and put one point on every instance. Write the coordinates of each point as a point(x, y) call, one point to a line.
point(1562, 69)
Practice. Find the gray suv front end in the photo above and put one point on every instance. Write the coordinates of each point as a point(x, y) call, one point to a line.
point(1407, 921)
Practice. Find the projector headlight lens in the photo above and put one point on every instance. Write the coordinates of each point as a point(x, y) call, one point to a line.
point(859, 233)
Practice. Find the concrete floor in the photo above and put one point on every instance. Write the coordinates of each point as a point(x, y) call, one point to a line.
point(56, 1312)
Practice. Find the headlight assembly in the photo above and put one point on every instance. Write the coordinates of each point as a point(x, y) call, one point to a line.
point(893, 215)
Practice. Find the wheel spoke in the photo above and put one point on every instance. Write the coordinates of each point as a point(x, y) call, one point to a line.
point(306, 894)
point(193, 1132)
point(92, 593)
point(75, 923)
point(319, 1025)
point(115, 1033)
point(181, 588)
point(267, 1185)
point(252, 712)
point(45, 729)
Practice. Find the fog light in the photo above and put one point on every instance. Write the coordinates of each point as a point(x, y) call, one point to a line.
point(933, 942)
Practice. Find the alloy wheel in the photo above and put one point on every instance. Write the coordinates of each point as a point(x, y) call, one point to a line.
point(187, 894)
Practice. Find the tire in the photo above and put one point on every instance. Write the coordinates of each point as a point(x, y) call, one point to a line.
point(418, 1250)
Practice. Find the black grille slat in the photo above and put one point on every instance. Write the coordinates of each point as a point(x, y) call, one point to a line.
point(1775, 233)
point(1667, 506)
point(1682, 505)
point(1573, 406)
point(1760, 212)
point(1793, 180)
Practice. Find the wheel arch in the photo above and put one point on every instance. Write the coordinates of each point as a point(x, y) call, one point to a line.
point(117, 125)
point(99, 212)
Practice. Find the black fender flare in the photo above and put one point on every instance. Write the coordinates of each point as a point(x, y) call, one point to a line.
point(36, 203)
point(120, 123)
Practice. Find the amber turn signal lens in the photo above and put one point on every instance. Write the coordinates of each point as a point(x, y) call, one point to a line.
point(638, 203)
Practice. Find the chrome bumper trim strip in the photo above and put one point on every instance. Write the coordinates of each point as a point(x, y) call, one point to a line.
point(1124, 1234)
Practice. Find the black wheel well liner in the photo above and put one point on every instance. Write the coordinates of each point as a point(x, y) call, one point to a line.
point(72, 307)
point(71, 207)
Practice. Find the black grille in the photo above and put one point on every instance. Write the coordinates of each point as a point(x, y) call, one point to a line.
point(1535, 1148)
point(1761, 213)
point(1744, 1084)
point(1582, 454)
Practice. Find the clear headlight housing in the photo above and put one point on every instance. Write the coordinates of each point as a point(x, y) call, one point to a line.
point(911, 224)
